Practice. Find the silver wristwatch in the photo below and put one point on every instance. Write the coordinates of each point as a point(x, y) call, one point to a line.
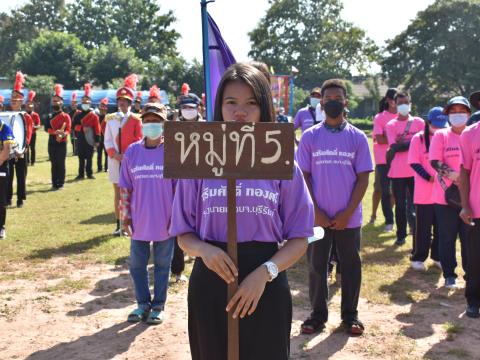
point(272, 269)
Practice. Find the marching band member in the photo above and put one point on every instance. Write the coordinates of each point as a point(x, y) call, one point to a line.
point(18, 164)
point(2, 101)
point(30, 107)
point(72, 112)
point(137, 105)
point(154, 96)
point(102, 112)
point(58, 127)
point(121, 129)
point(6, 141)
point(86, 124)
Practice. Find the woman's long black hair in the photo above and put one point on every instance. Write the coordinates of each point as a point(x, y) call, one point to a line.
point(390, 94)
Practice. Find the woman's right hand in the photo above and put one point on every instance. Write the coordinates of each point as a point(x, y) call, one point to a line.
point(218, 261)
point(466, 215)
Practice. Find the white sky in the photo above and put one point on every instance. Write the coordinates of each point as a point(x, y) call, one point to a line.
point(381, 19)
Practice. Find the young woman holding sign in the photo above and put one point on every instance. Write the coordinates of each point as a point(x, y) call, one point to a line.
point(263, 300)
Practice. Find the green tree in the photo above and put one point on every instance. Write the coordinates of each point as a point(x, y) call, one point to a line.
point(56, 54)
point(437, 56)
point(310, 35)
point(113, 60)
point(42, 84)
point(25, 23)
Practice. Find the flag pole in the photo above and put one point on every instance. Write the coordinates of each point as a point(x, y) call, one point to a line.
point(206, 60)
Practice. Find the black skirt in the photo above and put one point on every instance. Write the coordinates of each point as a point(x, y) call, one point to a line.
point(264, 335)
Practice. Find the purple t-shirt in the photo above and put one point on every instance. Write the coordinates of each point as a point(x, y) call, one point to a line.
point(334, 160)
point(151, 194)
point(267, 210)
point(304, 119)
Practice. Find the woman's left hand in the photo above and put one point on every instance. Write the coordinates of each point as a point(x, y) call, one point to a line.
point(249, 293)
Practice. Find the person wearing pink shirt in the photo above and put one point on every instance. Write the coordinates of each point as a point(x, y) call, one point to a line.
point(399, 133)
point(382, 190)
point(445, 158)
point(422, 197)
point(470, 214)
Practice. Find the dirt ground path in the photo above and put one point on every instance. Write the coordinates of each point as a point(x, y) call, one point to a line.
point(81, 314)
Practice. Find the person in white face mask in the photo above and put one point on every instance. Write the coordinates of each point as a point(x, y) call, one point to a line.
point(306, 117)
point(189, 108)
point(445, 158)
point(142, 186)
point(399, 133)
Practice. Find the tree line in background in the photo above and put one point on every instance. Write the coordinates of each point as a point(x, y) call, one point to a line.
point(103, 40)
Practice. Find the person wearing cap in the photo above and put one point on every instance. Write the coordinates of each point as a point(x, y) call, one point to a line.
point(146, 210)
point(382, 185)
point(281, 117)
point(73, 110)
point(2, 102)
point(399, 133)
point(18, 165)
point(445, 158)
point(121, 129)
point(189, 106)
point(422, 198)
point(30, 107)
point(306, 117)
point(58, 127)
point(470, 213)
point(6, 142)
point(137, 104)
point(86, 124)
point(102, 112)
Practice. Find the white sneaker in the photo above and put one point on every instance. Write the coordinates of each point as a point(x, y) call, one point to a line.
point(418, 266)
point(180, 278)
point(438, 264)
point(3, 234)
point(388, 228)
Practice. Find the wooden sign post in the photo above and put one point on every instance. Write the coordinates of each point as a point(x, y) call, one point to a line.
point(229, 150)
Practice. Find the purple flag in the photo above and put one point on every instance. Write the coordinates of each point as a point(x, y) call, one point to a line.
point(220, 58)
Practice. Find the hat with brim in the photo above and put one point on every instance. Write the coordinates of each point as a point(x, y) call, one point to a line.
point(316, 90)
point(155, 109)
point(190, 100)
point(475, 99)
point(457, 100)
point(437, 118)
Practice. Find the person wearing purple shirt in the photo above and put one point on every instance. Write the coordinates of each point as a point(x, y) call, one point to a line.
point(268, 212)
point(335, 159)
point(146, 209)
point(306, 116)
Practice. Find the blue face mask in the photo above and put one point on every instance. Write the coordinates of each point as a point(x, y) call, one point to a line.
point(153, 130)
point(314, 102)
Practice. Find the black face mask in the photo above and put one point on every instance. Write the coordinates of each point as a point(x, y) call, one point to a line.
point(56, 108)
point(333, 108)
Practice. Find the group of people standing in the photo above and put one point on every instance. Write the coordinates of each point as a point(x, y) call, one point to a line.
point(425, 163)
point(419, 162)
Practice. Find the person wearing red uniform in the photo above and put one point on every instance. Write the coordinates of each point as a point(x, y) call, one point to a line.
point(72, 112)
point(18, 165)
point(86, 126)
point(102, 112)
point(29, 108)
point(121, 129)
point(58, 126)
point(2, 101)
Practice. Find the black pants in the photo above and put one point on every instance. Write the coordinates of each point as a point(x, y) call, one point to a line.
point(85, 158)
point(3, 193)
point(17, 167)
point(403, 192)
point(472, 291)
point(178, 260)
point(31, 148)
point(348, 252)
point(386, 198)
point(263, 335)
point(450, 225)
point(102, 153)
point(57, 153)
point(424, 243)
